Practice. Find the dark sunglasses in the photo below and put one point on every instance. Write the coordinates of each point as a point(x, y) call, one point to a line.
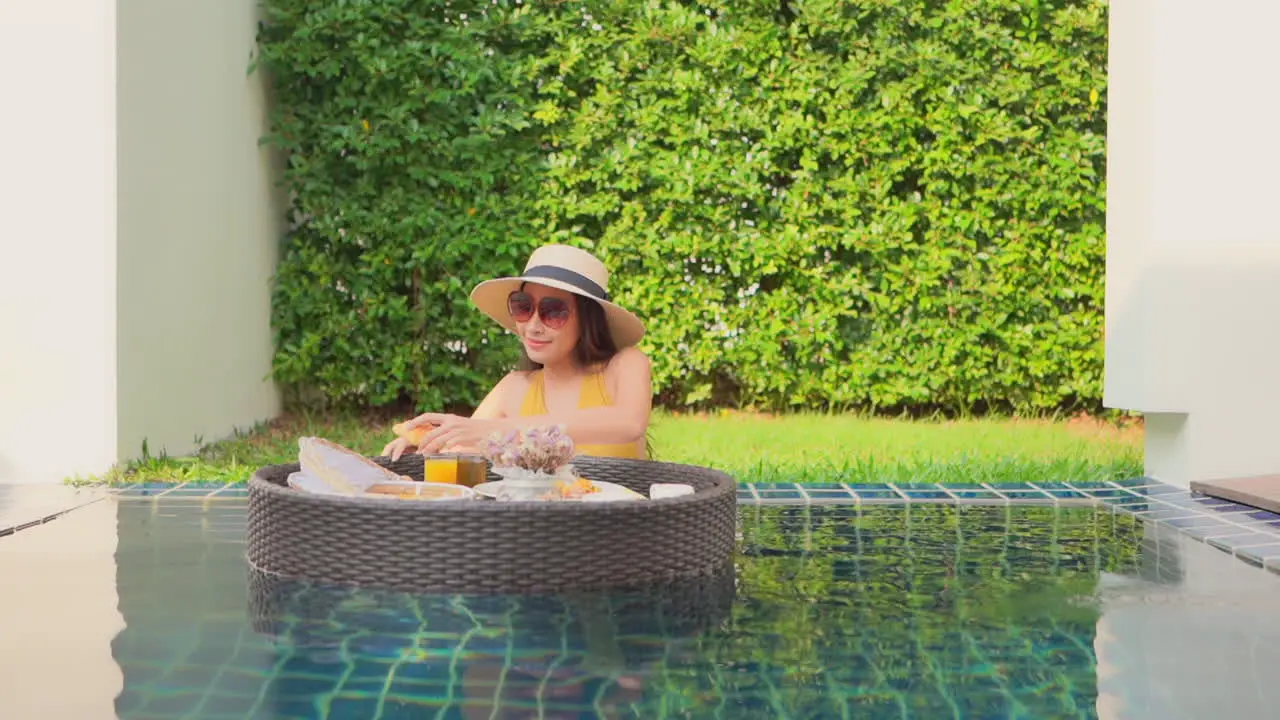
point(553, 311)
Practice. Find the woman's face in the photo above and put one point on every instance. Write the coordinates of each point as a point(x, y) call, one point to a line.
point(546, 321)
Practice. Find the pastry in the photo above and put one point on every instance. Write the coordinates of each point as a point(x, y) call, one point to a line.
point(412, 435)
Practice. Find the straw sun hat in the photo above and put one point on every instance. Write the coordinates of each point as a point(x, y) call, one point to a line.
point(567, 268)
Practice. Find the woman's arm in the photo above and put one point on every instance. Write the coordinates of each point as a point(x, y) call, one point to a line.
point(492, 407)
point(626, 420)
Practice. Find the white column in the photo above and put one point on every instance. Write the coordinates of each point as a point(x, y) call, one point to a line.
point(1193, 238)
point(200, 224)
point(57, 239)
point(139, 226)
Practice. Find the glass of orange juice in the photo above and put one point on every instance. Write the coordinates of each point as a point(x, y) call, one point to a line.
point(440, 469)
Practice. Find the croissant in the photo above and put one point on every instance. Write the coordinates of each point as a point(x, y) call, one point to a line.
point(412, 435)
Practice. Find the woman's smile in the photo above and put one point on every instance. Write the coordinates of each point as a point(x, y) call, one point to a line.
point(536, 344)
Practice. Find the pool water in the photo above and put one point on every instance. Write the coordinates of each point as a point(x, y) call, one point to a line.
point(921, 610)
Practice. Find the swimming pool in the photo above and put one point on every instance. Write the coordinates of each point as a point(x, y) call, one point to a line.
point(831, 610)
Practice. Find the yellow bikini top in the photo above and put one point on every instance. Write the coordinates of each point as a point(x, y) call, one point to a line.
point(593, 394)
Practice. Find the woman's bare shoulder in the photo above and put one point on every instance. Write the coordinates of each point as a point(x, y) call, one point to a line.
point(628, 361)
point(515, 381)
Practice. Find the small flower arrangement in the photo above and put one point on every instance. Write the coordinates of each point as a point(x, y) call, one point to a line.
point(539, 449)
point(530, 461)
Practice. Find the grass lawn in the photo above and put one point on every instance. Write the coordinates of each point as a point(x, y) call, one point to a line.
point(800, 448)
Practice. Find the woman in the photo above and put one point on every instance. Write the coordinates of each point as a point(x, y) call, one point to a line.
point(579, 365)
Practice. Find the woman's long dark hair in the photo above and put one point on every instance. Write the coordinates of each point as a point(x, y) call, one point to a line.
point(595, 346)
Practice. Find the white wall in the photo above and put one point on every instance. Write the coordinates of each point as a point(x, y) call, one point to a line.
point(199, 225)
point(134, 267)
point(1193, 245)
point(57, 239)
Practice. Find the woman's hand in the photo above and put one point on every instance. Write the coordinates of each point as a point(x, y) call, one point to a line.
point(453, 431)
point(396, 448)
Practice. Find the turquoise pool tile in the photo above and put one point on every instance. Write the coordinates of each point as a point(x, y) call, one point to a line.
point(871, 487)
point(1105, 493)
point(962, 485)
point(831, 493)
point(921, 491)
point(977, 494)
point(1084, 484)
point(190, 492)
point(833, 498)
point(772, 486)
point(779, 493)
point(233, 492)
point(1058, 490)
point(1127, 498)
point(1023, 495)
point(1182, 497)
point(1054, 485)
point(228, 705)
point(778, 500)
point(876, 495)
point(144, 491)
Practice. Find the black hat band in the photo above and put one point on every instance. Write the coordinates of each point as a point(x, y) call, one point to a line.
point(578, 280)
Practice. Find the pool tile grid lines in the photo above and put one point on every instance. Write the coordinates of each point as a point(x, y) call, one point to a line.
point(1247, 533)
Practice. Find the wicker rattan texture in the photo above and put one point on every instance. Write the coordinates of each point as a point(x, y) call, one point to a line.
point(480, 546)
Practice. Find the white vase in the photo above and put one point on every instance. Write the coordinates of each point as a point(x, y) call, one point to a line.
point(519, 484)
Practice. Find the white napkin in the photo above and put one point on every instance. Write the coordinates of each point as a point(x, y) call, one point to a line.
point(658, 491)
point(339, 469)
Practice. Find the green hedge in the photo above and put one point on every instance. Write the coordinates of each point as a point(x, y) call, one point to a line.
point(869, 203)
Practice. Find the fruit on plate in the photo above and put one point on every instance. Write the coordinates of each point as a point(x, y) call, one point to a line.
point(575, 488)
point(412, 435)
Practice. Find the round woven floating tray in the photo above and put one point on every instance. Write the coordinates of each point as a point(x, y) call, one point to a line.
point(484, 546)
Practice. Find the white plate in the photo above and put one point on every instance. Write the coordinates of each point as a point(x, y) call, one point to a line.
point(307, 483)
point(608, 492)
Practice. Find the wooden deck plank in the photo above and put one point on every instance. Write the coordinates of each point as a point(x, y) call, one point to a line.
point(1262, 492)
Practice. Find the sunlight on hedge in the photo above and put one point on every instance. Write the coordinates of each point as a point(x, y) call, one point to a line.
point(815, 204)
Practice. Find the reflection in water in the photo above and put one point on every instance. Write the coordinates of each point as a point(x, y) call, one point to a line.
point(585, 654)
point(1191, 634)
point(923, 611)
